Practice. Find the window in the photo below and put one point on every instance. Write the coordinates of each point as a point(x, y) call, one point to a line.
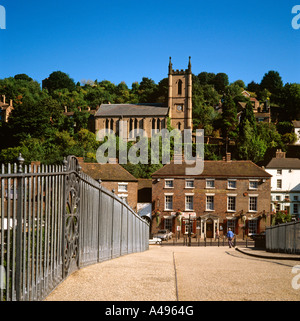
point(252, 227)
point(231, 184)
point(278, 198)
point(253, 184)
point(295, 209)
point(210, 183)
point(296, 198)
point(169, 183)
point(189, 183)
point(231, 225)
point(168, 224)
point(210, 203)
point(122, 187)
point(168, 202)
point(279, 183)
point(231, 203)
point(124, 197)
point(253, 204)
point(189, 202)
point(179, 87)
point(279, 171)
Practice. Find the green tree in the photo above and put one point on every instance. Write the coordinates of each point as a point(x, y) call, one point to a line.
point(58, 80)
point(272, 81)
point(221, 81)
point(229, 123)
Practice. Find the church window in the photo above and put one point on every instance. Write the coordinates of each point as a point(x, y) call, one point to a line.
point(179, 87)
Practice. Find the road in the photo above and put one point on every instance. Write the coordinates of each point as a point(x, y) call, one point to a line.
point(180, 273)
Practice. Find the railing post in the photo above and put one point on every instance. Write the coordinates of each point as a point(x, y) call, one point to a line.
point(20, 182)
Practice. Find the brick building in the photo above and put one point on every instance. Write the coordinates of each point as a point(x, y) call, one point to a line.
point(5, 109)
point(228, 194)
point(114, 178)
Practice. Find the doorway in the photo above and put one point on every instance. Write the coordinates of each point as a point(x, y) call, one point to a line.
point(209, 228)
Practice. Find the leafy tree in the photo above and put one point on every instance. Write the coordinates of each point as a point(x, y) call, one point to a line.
point(221, 81)
point(229, 118)
point(23, 77)
point(290, 101)
point(58, 80)
point(206, 78)
point(253, 87)
point(29, 120)
point(251, 146)
point(272, 81)
point(240, 83)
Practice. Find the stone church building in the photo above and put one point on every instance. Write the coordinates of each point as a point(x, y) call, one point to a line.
point(152, 116)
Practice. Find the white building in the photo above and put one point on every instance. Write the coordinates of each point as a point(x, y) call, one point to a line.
point(296, 124)
point(285, 183)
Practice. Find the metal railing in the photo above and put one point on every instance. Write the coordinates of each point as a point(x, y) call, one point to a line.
point(54, 220)
point(283, 238)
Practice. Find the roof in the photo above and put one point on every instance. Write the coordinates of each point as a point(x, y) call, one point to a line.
point(215, 169)
point(132, 110)
point(284, 163)
point(107, 172)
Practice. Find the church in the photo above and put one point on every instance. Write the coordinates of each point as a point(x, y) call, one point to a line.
point(152, 116)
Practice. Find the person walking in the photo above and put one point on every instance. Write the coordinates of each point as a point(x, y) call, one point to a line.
point(230, 237)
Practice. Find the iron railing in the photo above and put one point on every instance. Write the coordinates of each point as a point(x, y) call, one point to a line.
point(54, 220)
point(283, 238)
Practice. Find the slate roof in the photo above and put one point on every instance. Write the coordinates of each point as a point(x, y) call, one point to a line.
point(284, 163)
point(134, 110)
point(215, 169)
point(107, 172)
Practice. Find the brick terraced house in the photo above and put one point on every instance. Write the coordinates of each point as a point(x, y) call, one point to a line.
point(228, 194)
point(114, 178)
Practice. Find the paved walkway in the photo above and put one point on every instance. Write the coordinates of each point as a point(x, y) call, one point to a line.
point(172, 273)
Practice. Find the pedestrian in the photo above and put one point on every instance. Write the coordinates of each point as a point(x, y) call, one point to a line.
point(230, 237)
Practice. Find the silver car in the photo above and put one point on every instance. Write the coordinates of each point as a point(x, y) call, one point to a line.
point(164, 234)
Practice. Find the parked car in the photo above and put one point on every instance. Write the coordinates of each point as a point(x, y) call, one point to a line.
point(164, 234)
point(155, 240)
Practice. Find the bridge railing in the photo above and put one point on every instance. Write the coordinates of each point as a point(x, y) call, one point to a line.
point(54, 220)
point(283, 238)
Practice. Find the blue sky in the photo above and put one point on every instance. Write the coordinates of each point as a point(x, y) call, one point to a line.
point(127, 40)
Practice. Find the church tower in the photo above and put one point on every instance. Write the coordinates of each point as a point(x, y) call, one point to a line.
point(180, 97)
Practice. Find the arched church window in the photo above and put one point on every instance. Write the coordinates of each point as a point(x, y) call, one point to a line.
point(179, 87)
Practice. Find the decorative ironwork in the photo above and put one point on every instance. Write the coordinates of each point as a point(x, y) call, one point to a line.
point(71, 246)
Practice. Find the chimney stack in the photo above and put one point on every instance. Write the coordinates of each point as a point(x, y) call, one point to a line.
point(280, 153)
point(228, 157)
point(3, 96)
